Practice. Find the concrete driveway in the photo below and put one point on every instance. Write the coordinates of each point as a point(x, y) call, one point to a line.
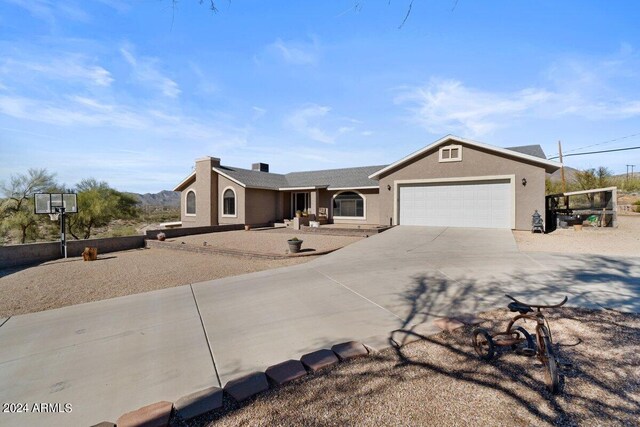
point(112, 356)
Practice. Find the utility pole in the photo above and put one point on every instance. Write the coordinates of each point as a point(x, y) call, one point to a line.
point(564, 185)
point(630, 166)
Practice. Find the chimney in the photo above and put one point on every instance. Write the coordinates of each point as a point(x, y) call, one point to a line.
point(206, 187)
point(260, 167)
point(214, 161)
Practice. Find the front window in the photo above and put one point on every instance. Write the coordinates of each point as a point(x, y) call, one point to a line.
point(348, 204)
point(191, 203)
point(229, 203)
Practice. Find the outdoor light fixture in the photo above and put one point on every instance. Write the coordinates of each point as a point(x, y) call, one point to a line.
point(389, 187)
point(524, 181)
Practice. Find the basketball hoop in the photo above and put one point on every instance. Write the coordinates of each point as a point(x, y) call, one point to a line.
point(57, 206)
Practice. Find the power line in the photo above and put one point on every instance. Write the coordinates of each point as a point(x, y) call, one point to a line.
point(595, 152)
point(601, 143)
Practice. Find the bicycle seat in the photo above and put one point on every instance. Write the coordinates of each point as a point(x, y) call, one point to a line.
point(528, 307)
point(523, 309)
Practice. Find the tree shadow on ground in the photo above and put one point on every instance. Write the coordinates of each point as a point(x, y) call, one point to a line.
point(607, 399)
point(410, 384)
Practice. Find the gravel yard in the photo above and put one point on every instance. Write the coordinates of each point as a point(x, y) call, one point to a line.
point(624, 240)
point(440, 381)
point(66, 282)
point(273, 241)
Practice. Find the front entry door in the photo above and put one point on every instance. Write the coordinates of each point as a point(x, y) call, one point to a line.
point(301, 202)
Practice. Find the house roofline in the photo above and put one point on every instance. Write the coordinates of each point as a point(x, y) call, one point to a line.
point(357, 187)
point(241, 184)
point(309, 187)
point(549, 163)
point(179, 187)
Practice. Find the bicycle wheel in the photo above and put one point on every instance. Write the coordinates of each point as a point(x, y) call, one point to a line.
point(548, 358)
point(522, 333)
point(483, 343)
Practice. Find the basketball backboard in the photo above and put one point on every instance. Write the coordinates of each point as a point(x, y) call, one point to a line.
point(50, 203)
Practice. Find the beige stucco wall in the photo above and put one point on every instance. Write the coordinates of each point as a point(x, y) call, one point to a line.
point(223, 184)
point(372, 206)
point(475, 163)
point(206, 188)
point(262, 206)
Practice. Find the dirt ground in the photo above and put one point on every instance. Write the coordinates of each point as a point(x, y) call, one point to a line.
point(624, 240)
point(66, 282)
point(273, 241)
point(439, 381)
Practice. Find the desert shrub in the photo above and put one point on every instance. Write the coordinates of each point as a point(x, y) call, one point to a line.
point(627, 183)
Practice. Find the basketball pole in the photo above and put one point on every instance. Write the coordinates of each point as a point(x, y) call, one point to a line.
point(63, 239)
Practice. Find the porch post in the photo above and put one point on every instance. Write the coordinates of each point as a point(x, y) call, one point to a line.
point(313, 210)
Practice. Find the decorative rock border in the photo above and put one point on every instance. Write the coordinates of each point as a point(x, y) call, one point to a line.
point(154, 415)
point(240, 389)
point(285, 372)
point(319, 360)
point(198, 403)
point(248, 386)
point(350, 350)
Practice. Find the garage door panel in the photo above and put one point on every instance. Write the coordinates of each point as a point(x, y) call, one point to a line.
point(481, 204)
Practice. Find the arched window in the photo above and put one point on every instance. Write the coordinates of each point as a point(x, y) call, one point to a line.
point(191, 203)
point(229, 202)
point(348, 204)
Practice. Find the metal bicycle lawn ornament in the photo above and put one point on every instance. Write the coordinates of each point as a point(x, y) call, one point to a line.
point(57, 205)
point(485, 343)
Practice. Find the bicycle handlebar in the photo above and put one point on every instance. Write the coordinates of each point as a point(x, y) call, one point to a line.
point(539, 306)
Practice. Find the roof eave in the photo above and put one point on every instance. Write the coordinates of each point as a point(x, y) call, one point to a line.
point(308, 187)
point(185, 182)
point(355, 187)
point(549, 165)
point(218, 171)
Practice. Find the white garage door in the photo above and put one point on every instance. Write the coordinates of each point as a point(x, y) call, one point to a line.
point(484, 204)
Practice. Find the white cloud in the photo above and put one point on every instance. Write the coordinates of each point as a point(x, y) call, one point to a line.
point(444, 106)
point(83, 112)
point(50, 10)
point(118, 5)
point(258, 112)
point(586, 89)
point(205, 82)
point(145, 70)
point(296, 53)
point(67, 68)
point(346, 129)
point(304, 121)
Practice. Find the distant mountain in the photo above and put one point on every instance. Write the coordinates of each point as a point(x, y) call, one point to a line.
point(164, 198)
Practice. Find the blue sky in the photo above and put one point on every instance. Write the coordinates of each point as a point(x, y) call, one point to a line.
point(131, 92)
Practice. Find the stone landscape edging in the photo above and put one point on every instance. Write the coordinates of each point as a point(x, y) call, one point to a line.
point(244, 388)
point(250, 385)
